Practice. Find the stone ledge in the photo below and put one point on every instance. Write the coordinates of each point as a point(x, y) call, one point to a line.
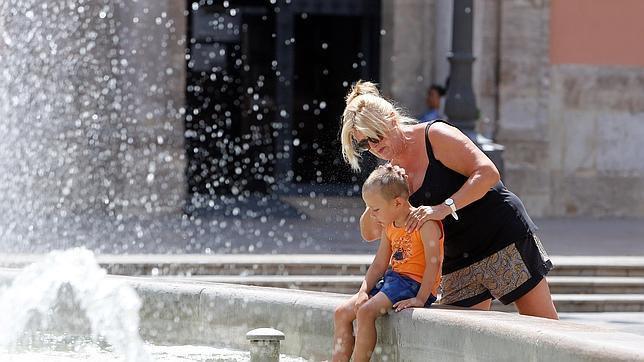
point(227, 312)
point(200, 313)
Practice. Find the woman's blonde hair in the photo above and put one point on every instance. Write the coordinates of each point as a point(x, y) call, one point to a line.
point(366, 111)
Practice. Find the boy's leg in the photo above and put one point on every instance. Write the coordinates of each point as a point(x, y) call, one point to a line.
point(366, 318)
point(343, 339)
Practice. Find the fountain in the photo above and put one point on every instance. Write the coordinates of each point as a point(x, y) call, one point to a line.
point(65, 305)
point(112, 308)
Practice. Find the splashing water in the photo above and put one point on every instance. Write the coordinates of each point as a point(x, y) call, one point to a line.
point(111, 307)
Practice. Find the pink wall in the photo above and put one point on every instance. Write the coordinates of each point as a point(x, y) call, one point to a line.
point(607, 32)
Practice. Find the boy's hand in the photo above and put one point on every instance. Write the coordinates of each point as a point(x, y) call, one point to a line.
point(408, 303)
point(363, 297)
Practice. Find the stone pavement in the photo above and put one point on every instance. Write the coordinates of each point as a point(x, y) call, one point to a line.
point(294, 230)
point(589, 236)
point(621, 321)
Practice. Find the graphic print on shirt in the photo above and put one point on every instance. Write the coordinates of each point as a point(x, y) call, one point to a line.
point(401, 249)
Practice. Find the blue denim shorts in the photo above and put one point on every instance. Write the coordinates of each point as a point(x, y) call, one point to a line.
point(399, 287)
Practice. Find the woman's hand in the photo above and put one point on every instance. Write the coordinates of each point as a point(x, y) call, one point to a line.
point(399, 170)
point(420, 215)
point(408, 303)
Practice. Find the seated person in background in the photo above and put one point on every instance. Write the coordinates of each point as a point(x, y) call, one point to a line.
point(433, 101)
point(405, 273)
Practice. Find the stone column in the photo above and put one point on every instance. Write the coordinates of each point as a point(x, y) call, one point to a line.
point(151, 158)
point(91, 96)
point(407, 46)
point(524, 101)
point(460, 102)
point(485, 72)
point(442, 41)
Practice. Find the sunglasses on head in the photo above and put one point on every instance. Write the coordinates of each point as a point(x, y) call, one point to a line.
point(365, 143)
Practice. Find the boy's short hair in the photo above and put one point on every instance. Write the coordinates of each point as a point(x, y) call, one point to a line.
point(389, 181)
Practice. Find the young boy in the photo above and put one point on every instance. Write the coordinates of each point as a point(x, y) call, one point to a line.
point(415, 266)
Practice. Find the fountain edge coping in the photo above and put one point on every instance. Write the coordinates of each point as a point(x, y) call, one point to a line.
point(188, 312)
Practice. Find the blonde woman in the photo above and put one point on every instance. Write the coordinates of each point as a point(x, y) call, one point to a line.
point(491, 250)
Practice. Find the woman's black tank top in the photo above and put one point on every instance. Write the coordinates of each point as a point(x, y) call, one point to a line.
point(484, 227)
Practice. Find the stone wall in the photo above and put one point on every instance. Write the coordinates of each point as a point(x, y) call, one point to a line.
point(596, 132)
point(572, 132)
point(407, 44)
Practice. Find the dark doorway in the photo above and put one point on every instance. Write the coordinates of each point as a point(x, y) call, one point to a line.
point(230, 98)
point(250, 63)
point(330, 55)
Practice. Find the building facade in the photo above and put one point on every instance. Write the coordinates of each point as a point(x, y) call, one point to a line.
point(159, 102)
point(558, 83)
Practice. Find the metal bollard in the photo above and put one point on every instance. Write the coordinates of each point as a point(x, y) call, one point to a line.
point(264, 344)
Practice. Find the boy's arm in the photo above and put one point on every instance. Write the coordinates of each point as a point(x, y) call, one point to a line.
point(378, 266)
point(369, 228)
point(430, 232)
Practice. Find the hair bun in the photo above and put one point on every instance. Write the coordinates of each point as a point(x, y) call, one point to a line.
point(362, 87)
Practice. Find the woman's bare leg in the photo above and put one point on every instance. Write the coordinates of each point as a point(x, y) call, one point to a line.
point(537, 302)
point(366, 317)
point(484, 305)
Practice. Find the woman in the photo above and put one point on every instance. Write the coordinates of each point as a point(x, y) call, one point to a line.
point(491, 250)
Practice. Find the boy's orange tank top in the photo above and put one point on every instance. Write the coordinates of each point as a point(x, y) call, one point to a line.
point(408, 254)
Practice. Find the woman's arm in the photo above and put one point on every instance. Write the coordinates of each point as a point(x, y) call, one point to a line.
point(370, 230)
point(457, 152)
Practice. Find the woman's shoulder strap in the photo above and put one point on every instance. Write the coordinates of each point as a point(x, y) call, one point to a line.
point(428, 143)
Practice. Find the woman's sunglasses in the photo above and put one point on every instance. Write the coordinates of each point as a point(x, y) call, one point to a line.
point(365, 144)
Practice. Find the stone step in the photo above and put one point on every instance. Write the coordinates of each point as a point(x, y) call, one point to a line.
point(614, 266)
point(309, 264)
point(595, 285)
point(589, 303)
point(351, 283)
point(228, 264)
